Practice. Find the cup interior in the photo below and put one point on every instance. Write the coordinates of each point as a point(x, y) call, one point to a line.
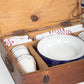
point(81, 34)
point(18, 47)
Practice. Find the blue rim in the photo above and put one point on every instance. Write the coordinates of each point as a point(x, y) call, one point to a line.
point(51, 62)
point(82, 5)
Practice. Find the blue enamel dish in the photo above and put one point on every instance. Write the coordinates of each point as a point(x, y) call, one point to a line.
point(60, 49)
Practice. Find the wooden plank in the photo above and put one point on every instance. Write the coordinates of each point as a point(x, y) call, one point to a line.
point(69, 73)
point(16, 14)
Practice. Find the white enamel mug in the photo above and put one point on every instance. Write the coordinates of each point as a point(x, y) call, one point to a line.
point(19, 51)
point(18, 47)
point(27, 64)
point(81, 36)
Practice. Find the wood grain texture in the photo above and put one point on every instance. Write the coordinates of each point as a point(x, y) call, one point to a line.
point(16, 14)
point(70, 73)
point(15, 74)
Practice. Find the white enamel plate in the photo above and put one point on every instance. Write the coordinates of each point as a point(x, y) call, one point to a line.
point(61, 47)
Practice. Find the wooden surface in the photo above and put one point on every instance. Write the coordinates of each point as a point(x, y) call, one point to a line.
point(15, 74)
point(70, 73)
point(35, 14)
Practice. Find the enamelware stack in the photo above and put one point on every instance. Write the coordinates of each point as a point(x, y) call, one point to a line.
point(24, 59)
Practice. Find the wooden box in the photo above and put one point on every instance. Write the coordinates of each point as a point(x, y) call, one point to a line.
point(32, 17)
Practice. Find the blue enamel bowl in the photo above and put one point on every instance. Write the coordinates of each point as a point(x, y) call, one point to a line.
point(60, 49)
point(51, 62)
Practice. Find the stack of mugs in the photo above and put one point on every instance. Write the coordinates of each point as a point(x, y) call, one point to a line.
point(24, 59)
point(81, 35)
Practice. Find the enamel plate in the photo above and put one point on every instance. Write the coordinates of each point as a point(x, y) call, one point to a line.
point(61, 47)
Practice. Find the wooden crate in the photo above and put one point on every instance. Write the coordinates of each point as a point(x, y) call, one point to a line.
point(32, 17)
